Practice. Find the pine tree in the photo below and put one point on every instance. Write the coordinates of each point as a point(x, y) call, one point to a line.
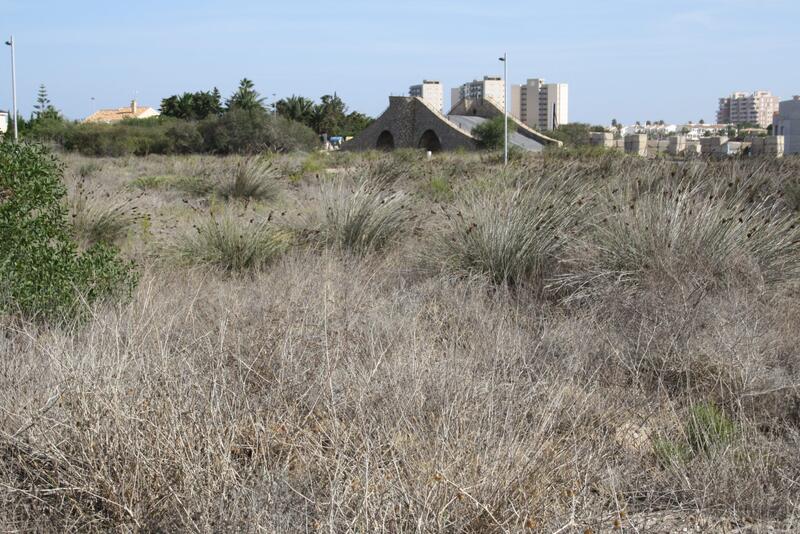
point(42, 102)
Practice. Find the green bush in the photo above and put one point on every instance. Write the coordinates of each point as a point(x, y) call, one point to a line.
point(491, 133)
point(139, 137)
point(242, 131)
point(42, 273)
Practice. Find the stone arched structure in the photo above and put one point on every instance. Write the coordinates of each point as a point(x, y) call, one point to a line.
point(430, 141)
point(385, 141)
point(409, 122)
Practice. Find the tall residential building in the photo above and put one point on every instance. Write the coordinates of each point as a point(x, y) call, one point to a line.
point(490, 88)
point(542, 106)
point(431, 91)
point(787, 124)
point(3, 122)
point(756, 108)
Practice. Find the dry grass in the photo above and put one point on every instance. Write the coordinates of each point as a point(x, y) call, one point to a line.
point(338, 392)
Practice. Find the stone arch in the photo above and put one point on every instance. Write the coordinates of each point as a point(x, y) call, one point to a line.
point(430, 141)
point(385, 141)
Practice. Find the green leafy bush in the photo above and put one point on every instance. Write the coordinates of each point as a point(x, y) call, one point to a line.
point(242, 131)
point(42, 274)
point(491, 133)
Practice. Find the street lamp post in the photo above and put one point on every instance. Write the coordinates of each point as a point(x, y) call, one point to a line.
point(10, 43)
point(504, 59)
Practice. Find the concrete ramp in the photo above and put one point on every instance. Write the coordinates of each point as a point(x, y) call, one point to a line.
point(468, 122)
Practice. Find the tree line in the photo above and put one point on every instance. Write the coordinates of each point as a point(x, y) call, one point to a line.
point(203, 121)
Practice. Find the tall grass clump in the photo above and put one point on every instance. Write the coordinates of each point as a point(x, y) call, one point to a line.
point(99, 219)
point(360, 218)
point(687, 232)
point(232, 243)
point(253, 178)
point(512, 229)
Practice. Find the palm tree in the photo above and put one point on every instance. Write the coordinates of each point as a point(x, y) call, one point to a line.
point(296, 108)
point(246, 97)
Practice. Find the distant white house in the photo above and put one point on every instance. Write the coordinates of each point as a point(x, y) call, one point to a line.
point(651, 130)
point(694, 131)
point(134, 111)
point(3, 122)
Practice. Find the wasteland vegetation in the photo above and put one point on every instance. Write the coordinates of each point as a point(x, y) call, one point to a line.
point(388, 343)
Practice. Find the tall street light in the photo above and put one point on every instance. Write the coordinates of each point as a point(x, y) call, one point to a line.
point(504, 59)
point(10, 43)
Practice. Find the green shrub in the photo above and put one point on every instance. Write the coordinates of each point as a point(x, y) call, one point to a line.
point(491, 133)
point(42, 273)
point(232, 243)
point(511, 228)
point(131, 137)
point(241, 131)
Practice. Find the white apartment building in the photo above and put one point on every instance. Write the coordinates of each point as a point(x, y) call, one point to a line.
point(490, 88)
point(787, 124)
point(756, 108)
point(431, 91)
point(542, 106)
point(3, 122)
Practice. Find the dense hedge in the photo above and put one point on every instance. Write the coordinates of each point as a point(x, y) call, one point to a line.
point(236, 131)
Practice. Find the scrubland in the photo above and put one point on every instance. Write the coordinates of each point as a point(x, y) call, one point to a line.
point(386, 343)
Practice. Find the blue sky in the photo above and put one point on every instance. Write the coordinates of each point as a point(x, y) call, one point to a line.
point(624, 59)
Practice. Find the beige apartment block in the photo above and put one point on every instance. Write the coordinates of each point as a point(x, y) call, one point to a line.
point(431, 91)
point(542, 106)
point(490, 88)
point(756, 108)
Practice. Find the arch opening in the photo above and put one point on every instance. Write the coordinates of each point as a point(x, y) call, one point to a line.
point(430, 141)
point(385, 141)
